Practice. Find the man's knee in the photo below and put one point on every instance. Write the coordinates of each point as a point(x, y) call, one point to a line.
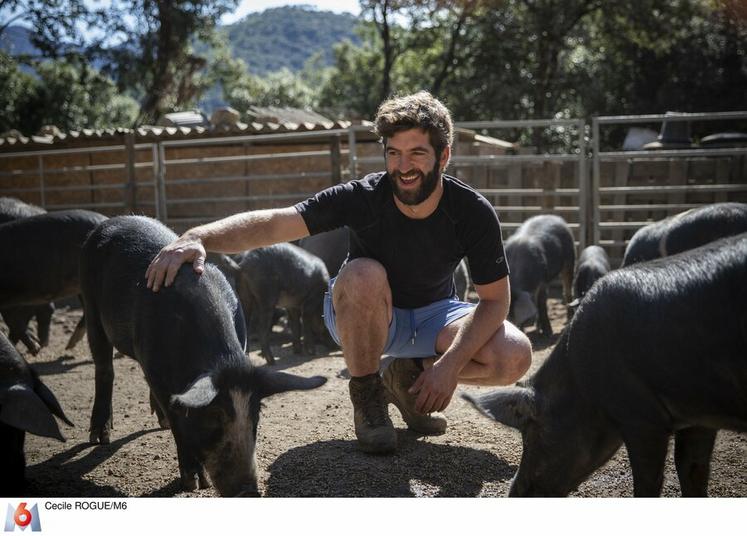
point(511, 354)
point(361, 281)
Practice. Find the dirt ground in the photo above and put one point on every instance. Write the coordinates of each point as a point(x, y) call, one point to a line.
point(306, 441)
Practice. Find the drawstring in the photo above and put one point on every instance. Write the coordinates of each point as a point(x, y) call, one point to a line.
point(414, 327)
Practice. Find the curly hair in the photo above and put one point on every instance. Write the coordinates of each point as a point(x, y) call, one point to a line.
point(419, 110)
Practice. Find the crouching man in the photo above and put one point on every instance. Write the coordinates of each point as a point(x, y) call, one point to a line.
point(410, 227)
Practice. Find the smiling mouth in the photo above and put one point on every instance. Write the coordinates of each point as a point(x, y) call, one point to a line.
point(409, 179)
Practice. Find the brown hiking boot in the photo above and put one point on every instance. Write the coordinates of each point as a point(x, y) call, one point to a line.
point(398, 378)
point(373, 427)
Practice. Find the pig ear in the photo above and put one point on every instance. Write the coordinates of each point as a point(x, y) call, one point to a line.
point(272, 382)
point(21, 408)
point(49, 399)
point(512, 406)
point(197, 395)
point(224, 261)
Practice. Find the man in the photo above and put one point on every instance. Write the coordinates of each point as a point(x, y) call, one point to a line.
point(410, 227)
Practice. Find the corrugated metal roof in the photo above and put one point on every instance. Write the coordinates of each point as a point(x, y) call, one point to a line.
point(286, 115)
point(150, 133)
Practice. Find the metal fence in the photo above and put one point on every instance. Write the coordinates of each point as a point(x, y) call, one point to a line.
point(515, 198)
point(190, 181)
point(238, 190)
point(53, 186)
point(623, 202)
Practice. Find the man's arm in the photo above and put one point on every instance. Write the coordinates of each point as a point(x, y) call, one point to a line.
point(437, 384)
point(247, 230)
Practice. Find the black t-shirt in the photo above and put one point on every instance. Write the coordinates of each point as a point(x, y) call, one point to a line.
point(419, 255)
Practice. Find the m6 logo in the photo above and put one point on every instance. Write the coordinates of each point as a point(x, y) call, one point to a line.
point(22, 517)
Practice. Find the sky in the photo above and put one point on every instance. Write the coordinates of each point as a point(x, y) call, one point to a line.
point(250, 6)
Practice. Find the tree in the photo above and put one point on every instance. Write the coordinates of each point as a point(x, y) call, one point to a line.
point(150, 45)
point(69, 96)
point(17, 88)
point(348, 90)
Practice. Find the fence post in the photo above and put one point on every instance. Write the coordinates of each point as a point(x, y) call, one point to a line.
point(595, 197)
point(42, 192)
point(335, 156)
point(583, 188)
point(131, 188)
point(352, 158)
point(161, 184)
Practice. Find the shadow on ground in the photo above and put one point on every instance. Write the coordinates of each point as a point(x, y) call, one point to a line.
point(60, 475)
point(340, 469)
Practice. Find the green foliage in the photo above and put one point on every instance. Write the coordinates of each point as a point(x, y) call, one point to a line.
point(17, 88)
point(487, 59)
point(352, 87)
point(281, 88)
point(61, 94)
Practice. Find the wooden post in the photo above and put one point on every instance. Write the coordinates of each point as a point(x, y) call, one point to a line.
point(335, 157)
point(130, 200)
point(622, 172)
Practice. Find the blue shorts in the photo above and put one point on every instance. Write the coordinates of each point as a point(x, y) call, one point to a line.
point(412, 332)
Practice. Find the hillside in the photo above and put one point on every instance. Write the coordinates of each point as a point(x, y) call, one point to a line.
point(288, 36)
point(16, 40)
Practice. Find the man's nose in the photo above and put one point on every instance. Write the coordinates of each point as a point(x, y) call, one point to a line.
point(404, 164)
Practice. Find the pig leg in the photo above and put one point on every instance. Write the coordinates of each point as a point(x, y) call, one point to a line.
point(265, 307)
point(566, 278)
point(309, 337)
point(264, 329)
point(543, 321)
point(191, 472)
point(294, 322)
point(101, 350)
point(29, 341)
point(647, 450)
point(43, 321)
point(17, 320)
point(155, 407)
point(78, 333)
point(692, 457)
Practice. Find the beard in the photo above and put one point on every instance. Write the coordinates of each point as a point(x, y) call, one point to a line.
point(428, 183)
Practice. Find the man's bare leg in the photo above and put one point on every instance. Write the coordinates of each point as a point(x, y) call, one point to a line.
point(362, 300)
point(363, 308)
point(503, 360)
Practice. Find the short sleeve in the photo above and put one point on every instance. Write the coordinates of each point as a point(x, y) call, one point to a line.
point(484, 245)
point(329, 209)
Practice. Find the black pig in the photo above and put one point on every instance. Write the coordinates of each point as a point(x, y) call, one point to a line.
point(26, 405)
point(18, 318)
point(42, 265)
point(654, 349)
point(331, 246)
point(287, 276)
point(540, 250)
point(189, 339)
point(686, 230)
point(593, 263)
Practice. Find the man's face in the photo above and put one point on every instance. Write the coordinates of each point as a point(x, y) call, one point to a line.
point(413, 167)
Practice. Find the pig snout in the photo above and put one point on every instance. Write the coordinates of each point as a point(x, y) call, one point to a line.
point(523, 310)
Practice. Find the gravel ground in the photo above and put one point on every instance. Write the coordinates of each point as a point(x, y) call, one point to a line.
point(306, 440)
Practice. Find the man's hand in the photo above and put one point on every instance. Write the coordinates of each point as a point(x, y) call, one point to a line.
point(163, 268)
point(436, 386)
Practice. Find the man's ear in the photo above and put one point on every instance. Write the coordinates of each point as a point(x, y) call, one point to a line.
point(444, 159)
